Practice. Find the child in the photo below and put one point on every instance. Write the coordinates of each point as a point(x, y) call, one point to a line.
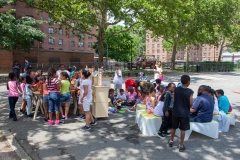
point(183, 100)
point(131, 96)
point(117, 79)
point(167, 110)
point(45, 99)
point(78, 84)
point(141, 100)
point(65, 95)
point(140, 76)
point(86, 100)
point(223, 102)
point(150, 102)
point(158, 83)
point(161, 77)
point(13, 87)
point(121, 98)
point(111, 97)
point(160, 90)
point(28, 94)
point(24, 103)
point(53, 87)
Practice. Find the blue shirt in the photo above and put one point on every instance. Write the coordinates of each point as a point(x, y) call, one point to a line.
point(16, 70)
point(204, 106)
point(223, 104)
point(27, 65)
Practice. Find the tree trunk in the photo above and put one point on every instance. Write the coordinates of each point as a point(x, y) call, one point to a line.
point(174, 52)
point(221, 49)
point(100, 39)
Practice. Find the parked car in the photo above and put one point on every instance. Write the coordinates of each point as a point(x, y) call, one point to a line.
point(143, 62)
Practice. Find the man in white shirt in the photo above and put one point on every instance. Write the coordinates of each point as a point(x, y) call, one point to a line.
point(117, 79)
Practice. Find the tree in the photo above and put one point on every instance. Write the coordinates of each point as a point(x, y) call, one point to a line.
point(183, 23)
point(79, 16)
point(17, 32)
point(121, 46)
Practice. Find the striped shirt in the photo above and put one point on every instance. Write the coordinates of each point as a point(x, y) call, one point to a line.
point(52, 87)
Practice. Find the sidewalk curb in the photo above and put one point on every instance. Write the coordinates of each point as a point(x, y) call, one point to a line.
point(15, 145)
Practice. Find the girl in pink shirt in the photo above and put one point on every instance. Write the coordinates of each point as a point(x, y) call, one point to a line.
point(131, 96)
point(13, 86)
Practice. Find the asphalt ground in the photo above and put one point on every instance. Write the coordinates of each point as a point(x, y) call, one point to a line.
point(118, 137)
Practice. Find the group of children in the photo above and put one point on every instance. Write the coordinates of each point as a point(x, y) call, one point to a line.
point(55, 89)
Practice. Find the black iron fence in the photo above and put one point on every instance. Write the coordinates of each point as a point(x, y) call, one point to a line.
point(110, 66)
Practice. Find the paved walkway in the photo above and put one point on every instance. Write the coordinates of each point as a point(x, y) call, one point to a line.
point(118, 137)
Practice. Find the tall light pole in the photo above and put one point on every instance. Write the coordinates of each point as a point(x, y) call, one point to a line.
point(131, 51)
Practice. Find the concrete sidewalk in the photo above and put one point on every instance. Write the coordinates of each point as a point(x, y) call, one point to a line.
point(118, 137)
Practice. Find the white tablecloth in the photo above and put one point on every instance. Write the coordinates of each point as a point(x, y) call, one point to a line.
point(149, 124)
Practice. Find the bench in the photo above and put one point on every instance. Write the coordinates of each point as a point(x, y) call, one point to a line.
point(148, 124)
point(230, 121)
point(209, 129)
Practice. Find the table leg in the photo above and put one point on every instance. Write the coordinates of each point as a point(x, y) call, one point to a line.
point(36, 110)
point(75, 103)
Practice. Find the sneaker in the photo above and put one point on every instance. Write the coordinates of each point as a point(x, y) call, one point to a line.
point(82, 117)
point(66, 117)
point(182, 148)
point(29, 116)
point(166, 134)
point(170, 143)
point(45, 120)
point(15, 119)
point(21, 110)
point(62, 121)
point(63, 117)
point(85, 128)
point(57, 122)
point(93, 123)
point(50, 122)
point(160, 135)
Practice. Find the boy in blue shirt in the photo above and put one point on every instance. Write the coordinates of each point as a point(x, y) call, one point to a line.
point(223, 102)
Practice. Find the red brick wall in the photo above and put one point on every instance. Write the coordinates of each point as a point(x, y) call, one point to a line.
point(6, 60)
point(42, 59)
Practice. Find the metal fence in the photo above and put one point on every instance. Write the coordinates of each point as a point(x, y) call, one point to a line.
point(110, 66)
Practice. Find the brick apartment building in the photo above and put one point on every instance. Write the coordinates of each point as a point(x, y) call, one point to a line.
point(64, 46)
point(155, 48)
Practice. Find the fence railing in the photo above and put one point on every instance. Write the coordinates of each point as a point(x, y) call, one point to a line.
point(110, 66)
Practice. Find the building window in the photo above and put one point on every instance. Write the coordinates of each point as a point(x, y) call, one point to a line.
point(51, 41)
point(163, 50)
point(60, 32)
point(209, 54)
point(153, 51)
point(216, 49)
point(208, 58)
point(50, 30)
point(72, 34)
point(158, 57)
point(89, 44)
point(80, 44)
point(72, 43)
point(216, 54)
point(204, 54)
point(158, 45)
point(72, 25)
point(51, 48)
point(97, 28)
point(153, 45)
point(89, 37)
point(209, 49)
point(81, 35)
point(158, 51)
point(90, 28)
point(60, 41)
point(60, 49)
point(148, 51)
point(50, 20)
point(205, 49)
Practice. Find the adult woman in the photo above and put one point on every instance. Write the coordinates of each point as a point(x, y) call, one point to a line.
point(86, 99)
point(62, 69)
point(157, 70)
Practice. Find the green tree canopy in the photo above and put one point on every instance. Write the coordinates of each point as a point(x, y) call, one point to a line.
point(120, 45)
point(80, 15)
point(182, 23)
point(17, 32)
